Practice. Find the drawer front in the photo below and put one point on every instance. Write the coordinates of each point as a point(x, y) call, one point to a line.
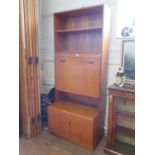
point(78, 75)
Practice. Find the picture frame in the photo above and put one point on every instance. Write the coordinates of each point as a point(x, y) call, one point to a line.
point(128, 60)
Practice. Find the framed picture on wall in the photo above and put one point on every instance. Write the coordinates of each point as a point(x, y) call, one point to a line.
point(128, 60)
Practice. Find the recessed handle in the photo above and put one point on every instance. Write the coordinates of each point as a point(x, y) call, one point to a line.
point(90, 62)
point(63, 61)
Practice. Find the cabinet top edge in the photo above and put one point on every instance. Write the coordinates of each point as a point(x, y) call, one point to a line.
point(80, 11)
point(124, 88)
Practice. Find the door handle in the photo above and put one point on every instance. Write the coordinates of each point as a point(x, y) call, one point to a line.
point(90, 62)
point(69, 122)
point(63, 61)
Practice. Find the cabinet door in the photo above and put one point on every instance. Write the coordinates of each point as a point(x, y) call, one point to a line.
point(53, 120)
point(82, 131)
point(78, 75)
point(59, 122)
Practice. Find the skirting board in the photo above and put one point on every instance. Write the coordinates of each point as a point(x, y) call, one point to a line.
point(105, 130)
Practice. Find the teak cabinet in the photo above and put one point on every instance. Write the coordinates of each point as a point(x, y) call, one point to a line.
point(121, 121)
point(81, 42)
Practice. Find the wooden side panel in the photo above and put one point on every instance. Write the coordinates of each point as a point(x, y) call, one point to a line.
point(111, 125)
point(97, 125)
point(105, 46)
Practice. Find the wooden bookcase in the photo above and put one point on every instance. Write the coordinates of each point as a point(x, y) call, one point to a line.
point(121, 121)
point(81, 42)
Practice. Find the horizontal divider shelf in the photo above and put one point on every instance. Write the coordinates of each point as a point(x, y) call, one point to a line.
point(128, 116)
point(79, 29)
point(77, 54)
point(125, 131)
point(120, 149)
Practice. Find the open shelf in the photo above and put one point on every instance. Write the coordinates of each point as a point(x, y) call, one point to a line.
point(125, 131)
point(89, 19)
point(126, 116)
point(84, 100)
point(120, 149)
point(87, 41)
point(79, 29)
point(122, 137)
point(78, 109)
point(76, 52)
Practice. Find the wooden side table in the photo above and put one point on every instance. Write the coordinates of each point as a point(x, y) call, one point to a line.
point(121, 109)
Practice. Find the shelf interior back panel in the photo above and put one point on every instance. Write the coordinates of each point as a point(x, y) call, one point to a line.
point(79, 19)
point(77, 41)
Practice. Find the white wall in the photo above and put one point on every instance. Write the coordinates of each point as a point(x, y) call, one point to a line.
point(47, 8)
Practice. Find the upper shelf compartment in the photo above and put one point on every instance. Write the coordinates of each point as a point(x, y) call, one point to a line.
point(83, 20)
point(79, 31)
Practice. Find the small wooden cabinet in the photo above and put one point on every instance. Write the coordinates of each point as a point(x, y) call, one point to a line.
point(77, 123)
point(121, 121)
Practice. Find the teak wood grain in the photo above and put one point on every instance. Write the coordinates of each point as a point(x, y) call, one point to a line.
point(81, 75)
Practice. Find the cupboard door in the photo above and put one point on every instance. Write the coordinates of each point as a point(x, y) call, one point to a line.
point(65, 125)
point(78, 75)
point(82, 134)
point(59, 123)
point(54, 120)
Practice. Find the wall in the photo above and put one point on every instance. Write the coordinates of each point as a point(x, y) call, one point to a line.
point(47, 8)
